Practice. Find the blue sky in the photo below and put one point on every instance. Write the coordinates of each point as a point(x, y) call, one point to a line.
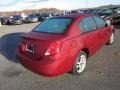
point(12, 5)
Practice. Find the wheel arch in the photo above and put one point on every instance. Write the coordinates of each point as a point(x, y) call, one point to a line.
point(87, 51)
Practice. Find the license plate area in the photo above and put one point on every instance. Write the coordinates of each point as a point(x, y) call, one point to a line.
point(30, 48)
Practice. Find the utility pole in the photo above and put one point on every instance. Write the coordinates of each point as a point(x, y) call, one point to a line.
point(37, 10)
point(3, 13)
point(86, 4)
point(17, 12)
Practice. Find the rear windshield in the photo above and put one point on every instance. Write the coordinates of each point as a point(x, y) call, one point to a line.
point(95, 11)
point(17, 17)
point(45, 15)
point(32, 16)
point(53, 26)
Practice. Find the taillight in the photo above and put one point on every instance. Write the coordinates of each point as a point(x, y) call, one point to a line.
point(22, 47)
point(54, 48)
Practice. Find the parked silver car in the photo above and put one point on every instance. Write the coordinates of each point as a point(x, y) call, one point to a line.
point(31, 19)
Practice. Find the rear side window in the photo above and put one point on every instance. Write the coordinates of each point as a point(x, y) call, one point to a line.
point(89, 24)
point(82, 29)
point(99, 22)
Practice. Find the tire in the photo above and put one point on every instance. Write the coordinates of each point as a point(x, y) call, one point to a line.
point(80, 64)
point(111, 40)
point(3, 23)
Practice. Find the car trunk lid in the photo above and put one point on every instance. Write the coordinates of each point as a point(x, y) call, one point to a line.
point(35, 44)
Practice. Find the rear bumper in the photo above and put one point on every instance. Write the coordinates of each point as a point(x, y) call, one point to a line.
point(31, 21)
point(15, 23)
point(45, 67)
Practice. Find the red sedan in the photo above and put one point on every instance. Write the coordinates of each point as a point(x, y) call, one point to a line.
point(63, 44)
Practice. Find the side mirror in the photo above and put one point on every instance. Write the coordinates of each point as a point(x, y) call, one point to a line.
point(108, 22)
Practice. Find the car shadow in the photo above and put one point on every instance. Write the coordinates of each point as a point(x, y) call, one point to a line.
point(8, 45)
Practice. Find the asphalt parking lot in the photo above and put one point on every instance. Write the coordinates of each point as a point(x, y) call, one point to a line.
point(102, 73)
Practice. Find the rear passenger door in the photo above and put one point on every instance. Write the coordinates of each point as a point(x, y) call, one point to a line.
point(89, 34)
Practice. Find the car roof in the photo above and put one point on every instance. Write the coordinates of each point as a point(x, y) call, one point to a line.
point(73, 16)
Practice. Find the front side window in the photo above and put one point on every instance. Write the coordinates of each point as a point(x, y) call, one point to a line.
point(89, 24)
point(57, 26)
point(100, 23)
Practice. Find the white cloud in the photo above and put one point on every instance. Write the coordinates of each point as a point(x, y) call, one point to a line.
point(13, 5)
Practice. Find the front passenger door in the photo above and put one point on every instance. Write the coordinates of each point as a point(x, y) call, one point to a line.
point(104, 32)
